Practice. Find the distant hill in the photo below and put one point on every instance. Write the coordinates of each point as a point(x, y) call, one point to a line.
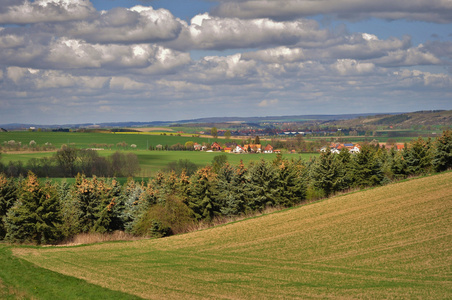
point(214, 120)
point(436, 117)
point(405, 120)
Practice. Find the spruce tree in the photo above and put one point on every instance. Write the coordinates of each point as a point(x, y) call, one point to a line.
point(442, 155)
point(8, 195)
point(292, 188)
point(418, 157)
point(203, 194)
point(262, 188)
point(397, 164)
point(227, 198)
point(327, 173)
point(111, 206)
point(88, 197)
point(36, 216)
point(366, 168)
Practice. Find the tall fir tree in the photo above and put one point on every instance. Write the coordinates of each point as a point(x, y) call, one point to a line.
point(227, 199)
point(111, 206)
point(327, 173)
point(291, 186)
point(36, 216)
point(203, 194)
point(366, 168)
point(418, 156)
point(8, 196)
point(262, 186)
point(442, 155)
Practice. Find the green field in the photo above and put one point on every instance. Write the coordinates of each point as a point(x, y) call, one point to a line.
point(86, 139)
point(153, 161)
point(391, 242)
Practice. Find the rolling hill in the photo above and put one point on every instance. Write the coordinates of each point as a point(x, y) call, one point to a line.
point(388, 242)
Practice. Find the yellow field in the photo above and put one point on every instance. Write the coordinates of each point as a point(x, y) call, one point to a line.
point(383, 243)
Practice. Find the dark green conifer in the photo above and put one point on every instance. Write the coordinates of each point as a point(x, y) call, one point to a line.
point(442, 155)
point(8, 195)
point(36, 216)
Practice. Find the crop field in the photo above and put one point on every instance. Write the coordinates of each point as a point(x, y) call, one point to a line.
point(87, 139)
point(383, 243)
point(153, 161)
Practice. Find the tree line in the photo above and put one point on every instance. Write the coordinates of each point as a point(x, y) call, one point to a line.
point(69, 161)
point(39, 212)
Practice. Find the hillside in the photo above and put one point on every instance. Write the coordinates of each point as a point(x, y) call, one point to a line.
point(406, 120)
point(389, 242)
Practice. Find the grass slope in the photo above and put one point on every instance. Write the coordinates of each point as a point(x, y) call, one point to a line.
point(20, 279)
point(388, 242)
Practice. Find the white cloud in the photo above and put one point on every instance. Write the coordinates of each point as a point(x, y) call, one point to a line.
point(45, 11)
point(207, 32)
point(267, 103)
point(277, 55)
point(438, 11)
point(138, 24)
point(352, 67)
point(409, 57)
point(16, 73)
point(417, 79)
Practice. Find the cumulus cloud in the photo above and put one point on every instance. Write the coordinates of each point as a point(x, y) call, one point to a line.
point(417, 78)
point(138, 24)
point(208, 32)
point(65, 53)
point(438, 11)
point(409, 57)
point(352, 67)
point(263, 56)
point(27, 12)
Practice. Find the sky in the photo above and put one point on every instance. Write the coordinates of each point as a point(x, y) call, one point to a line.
point(82, 61)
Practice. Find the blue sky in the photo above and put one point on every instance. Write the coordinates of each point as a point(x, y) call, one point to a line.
point(76, 61)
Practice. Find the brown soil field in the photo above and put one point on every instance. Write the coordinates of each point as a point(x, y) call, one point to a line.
point(149, 129)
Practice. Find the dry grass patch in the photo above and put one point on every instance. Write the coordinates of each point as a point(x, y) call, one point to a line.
point(388, 242)
point(94, 237)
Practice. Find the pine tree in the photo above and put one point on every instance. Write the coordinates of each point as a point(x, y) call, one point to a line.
point(133, 206)
point(292, 189)
point(8, 195)
point(398, 165)
point(111, 206)
point(35, 217)
point(327, 173)
point(262, 188)
point(366, 168)
point(88, 197)
point(69, 209)
point(227, 198)
point(442, 155)
point(418, 157)
point(203, 194)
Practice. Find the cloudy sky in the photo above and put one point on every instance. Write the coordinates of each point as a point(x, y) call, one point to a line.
point(74, 61)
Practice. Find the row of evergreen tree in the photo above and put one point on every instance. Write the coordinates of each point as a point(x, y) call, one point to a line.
point(39, 212)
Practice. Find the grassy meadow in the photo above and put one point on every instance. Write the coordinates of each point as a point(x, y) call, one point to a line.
point(143, 140)
point(382, 243)
point(150, 161)
point(153, 161)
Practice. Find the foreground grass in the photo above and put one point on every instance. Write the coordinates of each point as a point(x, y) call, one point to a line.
point(20, 279)
point(383, 243)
